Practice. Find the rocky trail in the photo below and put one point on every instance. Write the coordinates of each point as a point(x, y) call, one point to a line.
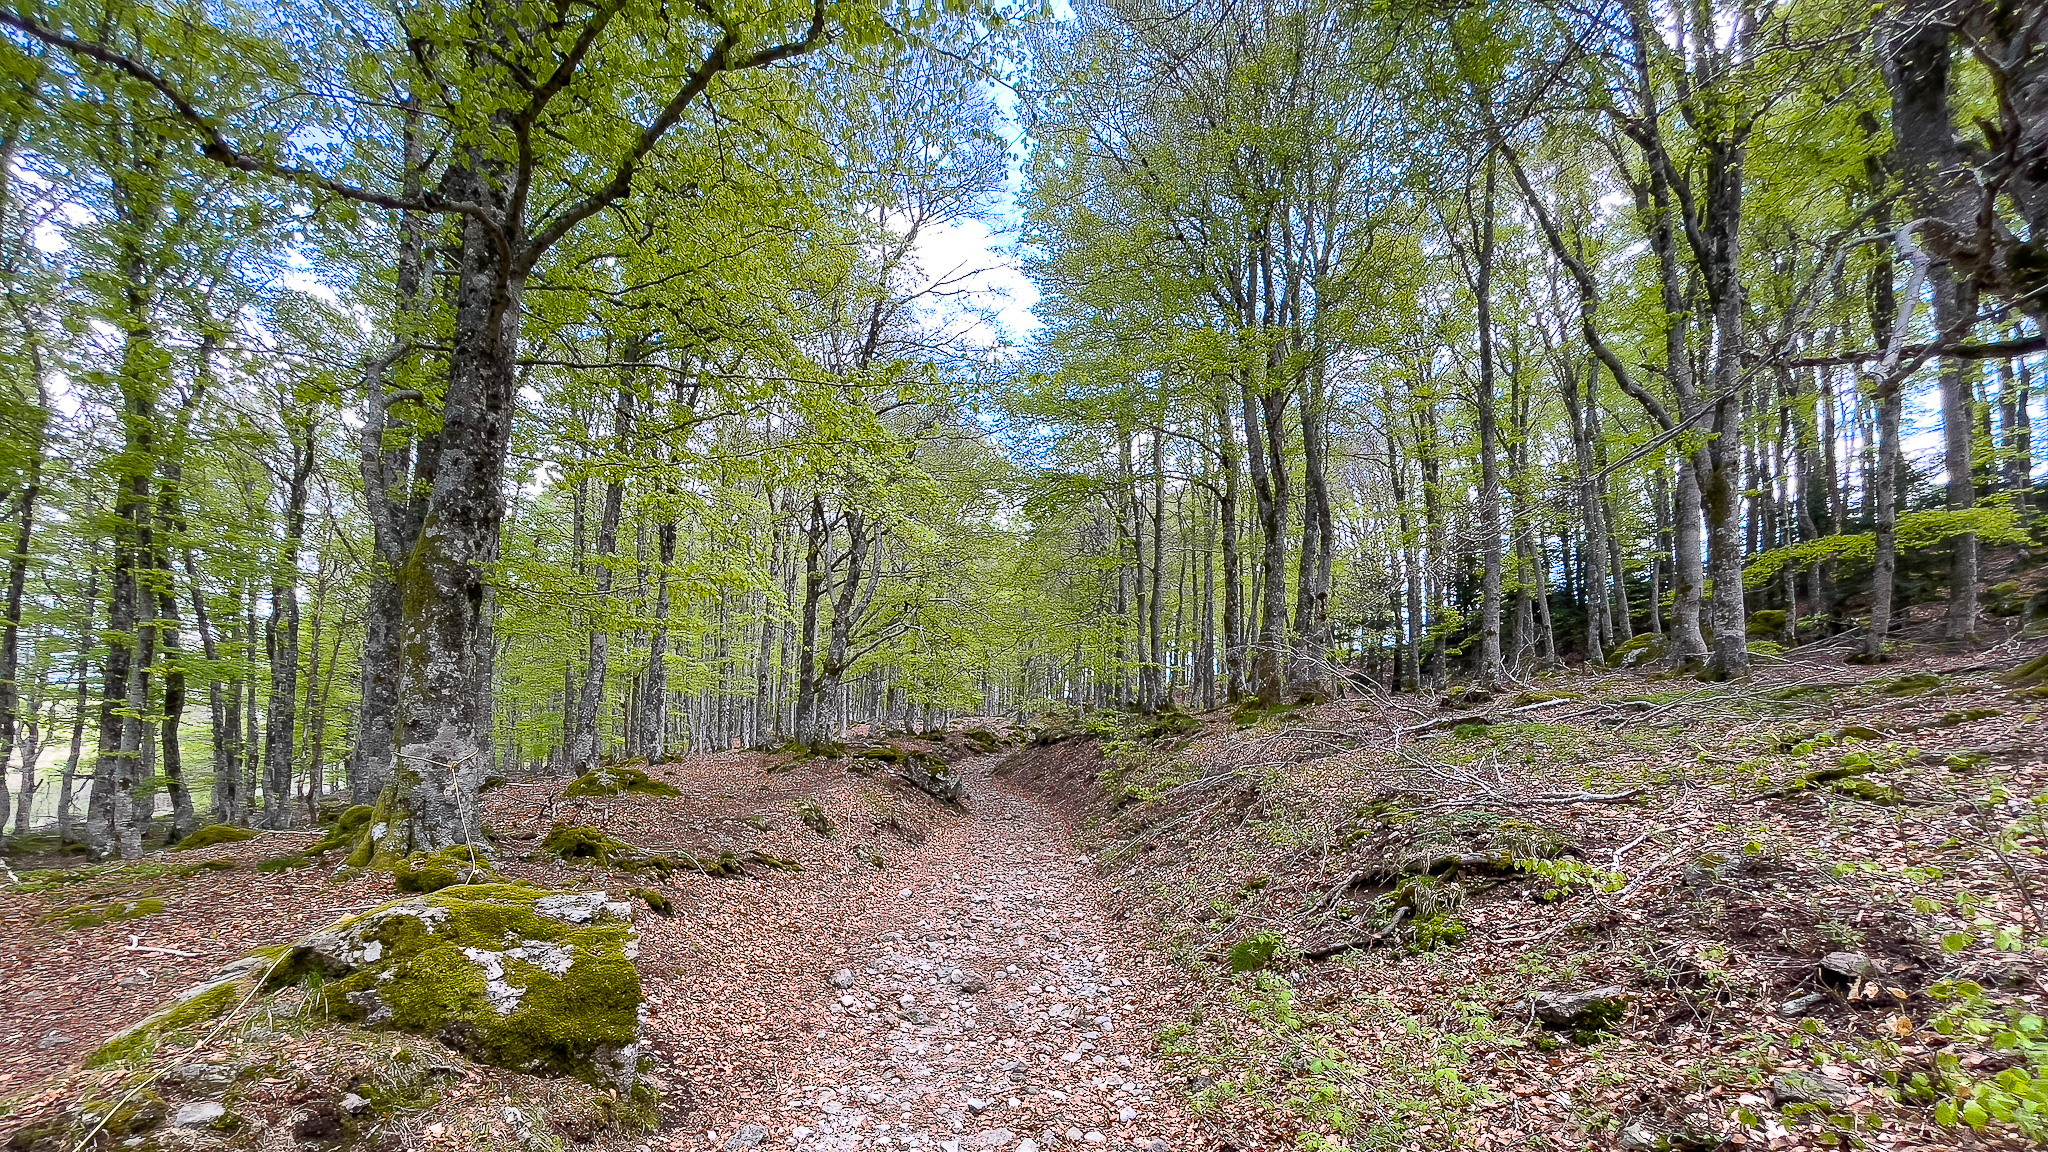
point(975, 993)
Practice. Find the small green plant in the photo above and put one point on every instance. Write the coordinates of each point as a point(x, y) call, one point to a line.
point(2016, 1096)
point(1254, 952)
point(1562, 875)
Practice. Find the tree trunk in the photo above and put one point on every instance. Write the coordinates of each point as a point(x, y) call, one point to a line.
point(281, 639)
point(1955, 308)
point(584, 753)
point(443, 747)
point(10, 645)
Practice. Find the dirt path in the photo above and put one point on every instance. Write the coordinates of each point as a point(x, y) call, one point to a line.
point(973, 994)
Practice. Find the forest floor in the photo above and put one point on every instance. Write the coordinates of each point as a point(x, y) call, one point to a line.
point(1327, 927)
point(971, 992)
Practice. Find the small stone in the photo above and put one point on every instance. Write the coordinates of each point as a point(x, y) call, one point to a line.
point(831, 1107)
point(799, 1132)
point(1801, 1005)
point(1808, 1088)
point(1157, 1146)
point(1594, 1007)
point(848, 1000)
point(1127, 1114)
point(198, 1113)
point(53, 1038)
point(1074, 1135)
point(746, 1137)
point(977, 1106)
point(1027, 1146)
point(843, 978)
point(1846, 967)
point(352, 1104)
point(1093, 1137)
point(1639, 1137)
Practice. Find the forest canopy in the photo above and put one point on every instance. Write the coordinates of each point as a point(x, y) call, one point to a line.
point(397, 398)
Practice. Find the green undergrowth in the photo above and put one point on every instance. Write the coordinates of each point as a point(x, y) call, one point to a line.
point(1257, 1048)
point(2014, 1096)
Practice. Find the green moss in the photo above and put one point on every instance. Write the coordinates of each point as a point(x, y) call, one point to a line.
point(582, 844)
point(812, 812)
point(1168, 725)
point(1471, 731)
point(1438, 931)
point(1644, 647)
point(1968, 716)
point(1255, 713)
point(457, 864)
point(346, 828)
point(93, 915)
point(1538, 696)
point(654, 900)
point(1815, 692)
point(214, 834)
point(1909, 685)
point(1766, 623)
point(615, 781)
point(983, 739)
point(1868, 790)
point(180, 1018)
point(284, 864)
point(871, 856)
point(480, 968)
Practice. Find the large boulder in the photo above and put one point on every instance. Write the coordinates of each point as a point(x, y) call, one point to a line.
point(513, 976)
point(936, 778)
point(518, 977)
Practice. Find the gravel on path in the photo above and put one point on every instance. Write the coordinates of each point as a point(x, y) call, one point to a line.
point(973, 994)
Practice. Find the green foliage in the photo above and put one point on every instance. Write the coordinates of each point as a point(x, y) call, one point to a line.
point(1254, 952)
point(2015, 1097)
point(1993, 525)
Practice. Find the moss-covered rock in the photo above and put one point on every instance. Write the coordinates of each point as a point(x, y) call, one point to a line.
point(655, 901)
point(617, 781)
point(517, 977)
point(214, 834)
point(1169, 725)
point(187, 1015)
point(582, 844)
point(94, 915)
point(431, 872)
point(346, 828)
point(935, 778)
point(811, 811)
point(1640, 649)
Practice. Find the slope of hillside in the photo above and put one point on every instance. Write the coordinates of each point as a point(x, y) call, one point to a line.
point(1800, 911)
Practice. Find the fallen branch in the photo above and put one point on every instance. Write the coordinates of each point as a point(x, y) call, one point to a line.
point(135, 944)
